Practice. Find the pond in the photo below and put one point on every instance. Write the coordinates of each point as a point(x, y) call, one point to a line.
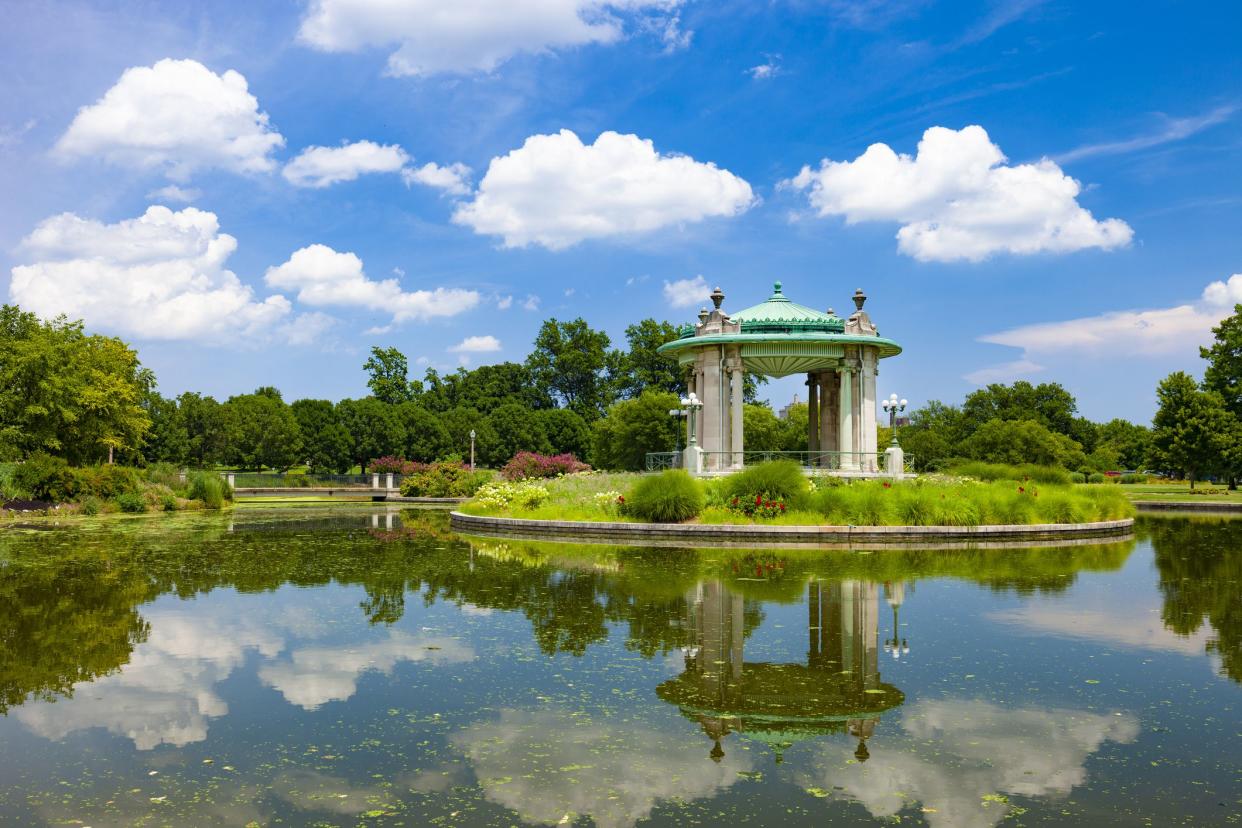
point(346, 667)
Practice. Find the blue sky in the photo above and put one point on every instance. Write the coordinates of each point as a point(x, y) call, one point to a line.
point(1057, 195)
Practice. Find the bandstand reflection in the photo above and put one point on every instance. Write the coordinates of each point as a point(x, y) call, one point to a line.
point(837, 690)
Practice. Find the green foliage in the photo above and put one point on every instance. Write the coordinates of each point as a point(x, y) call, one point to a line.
point(388, 380)
point(1194, 435)
point(68, 393)
point(426, 438)
point(132, 503)
point(1048, 404)
point(1133, 478)
point(1022, 441)
point(374, 427)
point(91, 506)
point(1077, 477)
point(208, 427)
point(567, 432)
point(1022, 472)
point(632, 428)
point(1130, 442)
point(776, 480)
point(209, 488)
point(47, 478)
point(1095, 477)
point(761, 430)
point(516, 428)
point(568, 361)
point(267, 433)
point(166, 441)
point(445, 479)
point(669, 497)
point(642, 368)
point(1223, 374)
point(107, 482)
point(326, 443)
point(498, 495)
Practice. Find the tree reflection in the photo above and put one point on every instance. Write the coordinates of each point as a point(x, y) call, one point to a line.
point(1200, 566)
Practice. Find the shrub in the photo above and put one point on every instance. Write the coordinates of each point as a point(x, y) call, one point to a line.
point(1132, 478)
point(44, 477)
point(6, 480)
point(131, 502)
point(168, 503)
point(167, 474)
point(91, 505)
point(394, 465)
point(779, 480)
point(210, 488)
point(526, 465)
point(1004, 471)
point(501, 494)
point(443, 479)
point(107, 482)
point(669, 497)
point(1095, 477)
point(1077, 477)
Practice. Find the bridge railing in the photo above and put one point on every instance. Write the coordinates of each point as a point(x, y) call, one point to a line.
point(272, 480)
point(817, 461)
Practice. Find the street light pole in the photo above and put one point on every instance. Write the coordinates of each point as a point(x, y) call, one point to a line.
point(472, 449)
point(892, 405)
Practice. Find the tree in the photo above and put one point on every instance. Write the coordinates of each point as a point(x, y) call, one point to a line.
point(934, 435)
point(631, 428)
point(208, 427)
point(327, 444)
point(1047, 403)
point(1022, 441)
point(388, 381)
point(426, 438)
point(641, 368)
point(568, 364)
point(567, 432)
point(793, 428)
point(68, 393)
point(1131, 442)
point(1194, 435)
point(761, 429)
point(266, 434)
point(1224, 370)
point(459, 422)
point(166, 441)
point(375, 428)
point(517, 428)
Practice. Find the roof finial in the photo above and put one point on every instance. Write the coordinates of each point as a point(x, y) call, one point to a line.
point(859, 298)
point(717, 297)
point(776, 287)
point(703, 314)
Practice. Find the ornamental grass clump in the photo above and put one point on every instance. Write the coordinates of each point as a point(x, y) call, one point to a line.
point(443, 479)
point(527, 465)
point(776, 480)
point(669, 497)
point(1026, 472)
point(211, 489)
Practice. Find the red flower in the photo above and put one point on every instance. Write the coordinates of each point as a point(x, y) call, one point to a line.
point(758, 500)
point(620, 498)
point(1021, 489)
point(782, 507)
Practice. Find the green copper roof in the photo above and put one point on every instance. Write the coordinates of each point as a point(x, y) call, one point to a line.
point(779, 312)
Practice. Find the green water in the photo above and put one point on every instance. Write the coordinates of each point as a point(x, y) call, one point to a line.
point(314, 667)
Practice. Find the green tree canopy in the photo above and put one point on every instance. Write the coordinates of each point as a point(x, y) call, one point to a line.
point(266, 432)
point(631, 428)
point(567, 432)
point(761, 429)
point(1047, 403)
point(327, 444)
point(517, 428)
point(426, 438)
point(1022, 441)
point(1224, 369)
point(374, 427)
point(568, 364)
point(388, 370)
point(1194, 435)
point(1131, 442)
point(208, 426)
point(641, 368)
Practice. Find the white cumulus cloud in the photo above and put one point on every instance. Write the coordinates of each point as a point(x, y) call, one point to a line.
point(453, 179)
point(324, 166)
point(476, 345)
point(957, 198)
point(174, 193)
point(433, 37)
point(324, 277)
point(176, 116)
point(685, 293)
point(556, 191)
point(159, 276)
point(1004, 372)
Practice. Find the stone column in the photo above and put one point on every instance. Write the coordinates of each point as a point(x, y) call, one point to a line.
point(374, 481)
point(388, 481)
point(828, 413)
point(845, 411)
point(867, 424)
point(812, 412)
point(735, 414)
point(714, 412)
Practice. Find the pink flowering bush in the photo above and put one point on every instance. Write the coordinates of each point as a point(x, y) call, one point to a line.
point(526, 465)
point(394, 465)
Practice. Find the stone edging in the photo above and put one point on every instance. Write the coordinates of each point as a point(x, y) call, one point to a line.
point(1187, 506)
point(574, 531)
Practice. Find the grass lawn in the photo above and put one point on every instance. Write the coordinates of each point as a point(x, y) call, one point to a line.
point(1180, 490)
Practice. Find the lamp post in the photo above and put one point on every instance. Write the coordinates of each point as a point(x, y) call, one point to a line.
point(691, 404)
point(692, 459)
point(472, 449)
point(678, 412)
point(892, 405)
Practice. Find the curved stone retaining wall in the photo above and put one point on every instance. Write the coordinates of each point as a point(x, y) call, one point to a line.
point(689, 534)
point(1219, 507)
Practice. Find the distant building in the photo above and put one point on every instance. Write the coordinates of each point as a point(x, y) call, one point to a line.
point(784, 412)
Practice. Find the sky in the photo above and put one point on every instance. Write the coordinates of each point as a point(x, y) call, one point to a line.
point(257, 193)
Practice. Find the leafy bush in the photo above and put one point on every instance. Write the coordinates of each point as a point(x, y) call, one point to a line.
point(1003, 471)
point(1131, 479)
point(168, 503)
point(779, 480)
point(6, 480)
point(669, 497)
point(131, 502)
point(210, 488)
point(91, 505)
point(1077, 477)
point(502, 494)
point(44, 477)
point(443, 479)
point(394, 465)
point(107, 482)
point(1095, 477)
point(526, 465)
point(166, 474)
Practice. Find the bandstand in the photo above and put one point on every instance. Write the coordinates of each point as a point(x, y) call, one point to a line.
point(776, 338)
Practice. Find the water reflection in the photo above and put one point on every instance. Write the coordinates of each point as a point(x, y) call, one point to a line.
point(837, 690)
